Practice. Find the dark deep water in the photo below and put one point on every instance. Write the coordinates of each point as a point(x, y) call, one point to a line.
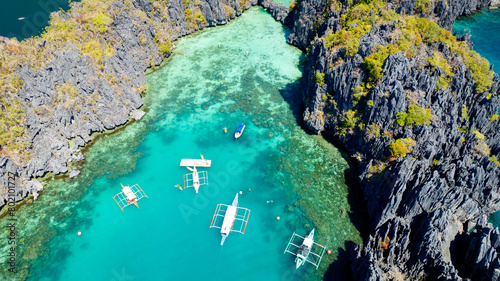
point(35, 13)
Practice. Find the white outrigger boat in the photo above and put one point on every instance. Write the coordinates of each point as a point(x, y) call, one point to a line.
point(304, 249)
point(229, 218)
point(239, 131)
point(195, 179)
point(129, 195)
point(305, 252)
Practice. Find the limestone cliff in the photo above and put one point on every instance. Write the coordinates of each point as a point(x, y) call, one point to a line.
point(87, 74)
point(420, 121)
point(420, 118)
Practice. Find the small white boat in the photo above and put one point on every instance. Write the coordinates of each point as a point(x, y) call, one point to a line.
point(304, 249)
point(21, 18)
point(129, 195)
point(239, 131)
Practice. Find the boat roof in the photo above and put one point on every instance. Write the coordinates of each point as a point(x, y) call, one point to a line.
point(308, 242)
point(240, 127)
point(128, 192)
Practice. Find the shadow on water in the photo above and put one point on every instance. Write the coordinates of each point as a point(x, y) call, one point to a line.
point(292, 94)
point(341, 268)
point(287, 31)
point(359, 212)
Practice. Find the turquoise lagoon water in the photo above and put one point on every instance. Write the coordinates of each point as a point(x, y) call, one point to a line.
point(484, 27)
point(201, 89)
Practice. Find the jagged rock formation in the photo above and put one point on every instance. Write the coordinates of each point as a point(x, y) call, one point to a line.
point(309, 16)
point(477, 254)
point(104, 95)
point(279, 12)
point(422, 204)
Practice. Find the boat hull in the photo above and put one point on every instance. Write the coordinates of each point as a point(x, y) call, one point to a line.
point(298, 262)
point(196, 180)
point(239, 131)
point(228, 222)
point(224, 236)
point(304, 250)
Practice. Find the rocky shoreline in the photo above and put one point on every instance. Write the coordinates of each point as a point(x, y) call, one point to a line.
point(105, 96)
point(422, 206)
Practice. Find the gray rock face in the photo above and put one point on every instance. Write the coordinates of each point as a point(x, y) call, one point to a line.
point(445, 11)
point(421, 205)
point(55, 114)
point(303, 17)
point(14, 186)
point(308, 17)
point(279, 12)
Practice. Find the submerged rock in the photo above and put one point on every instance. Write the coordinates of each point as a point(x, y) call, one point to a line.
point(74, 173)
point(137, 114)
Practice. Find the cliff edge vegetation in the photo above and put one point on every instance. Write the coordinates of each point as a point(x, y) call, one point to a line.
point(85, 28)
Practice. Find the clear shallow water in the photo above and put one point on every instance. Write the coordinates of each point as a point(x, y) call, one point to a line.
point(202, 89)
point(484, 27)
point(35, 13)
